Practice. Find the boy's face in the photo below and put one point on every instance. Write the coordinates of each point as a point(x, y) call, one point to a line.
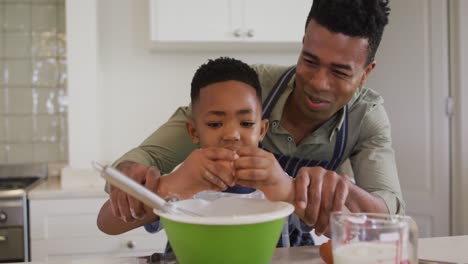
point(227, 114)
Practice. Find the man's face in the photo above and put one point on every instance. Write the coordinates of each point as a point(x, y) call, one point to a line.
point(331, 67)
point(227, 114)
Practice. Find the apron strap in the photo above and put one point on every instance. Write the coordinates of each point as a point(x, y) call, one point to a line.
point(277, 91)
point(340, 144)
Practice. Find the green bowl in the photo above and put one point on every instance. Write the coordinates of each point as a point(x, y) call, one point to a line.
point(232, 230)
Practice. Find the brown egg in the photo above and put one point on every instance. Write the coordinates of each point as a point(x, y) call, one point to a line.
point(326, 252)
point(229, 165)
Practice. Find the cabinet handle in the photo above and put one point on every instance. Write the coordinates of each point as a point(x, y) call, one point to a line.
point(237, 33)
point(130, 244)
point(3, 216)
point(250, 33)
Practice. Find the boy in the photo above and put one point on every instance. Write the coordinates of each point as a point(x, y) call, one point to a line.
point(226, 117)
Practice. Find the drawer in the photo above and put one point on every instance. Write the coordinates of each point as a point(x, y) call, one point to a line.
point(66, 228)
point(60, 218)
point(103, 245)
point(70, 226)
point(11, 244)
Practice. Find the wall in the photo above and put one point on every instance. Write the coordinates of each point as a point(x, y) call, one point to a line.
point(135, 89)
point(33, 82)
point(415, 92)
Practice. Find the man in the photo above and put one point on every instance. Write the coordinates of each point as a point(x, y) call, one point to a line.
point(320, 115)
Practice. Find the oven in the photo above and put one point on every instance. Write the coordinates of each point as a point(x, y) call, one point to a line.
point(13, 229)
point(15, 181)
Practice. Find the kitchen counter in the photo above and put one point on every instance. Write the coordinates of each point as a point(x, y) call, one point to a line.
point(297, 255)
point(449, 249)
point(452, 249)
point(53, 188)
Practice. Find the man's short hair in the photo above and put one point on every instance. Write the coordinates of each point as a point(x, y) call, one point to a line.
point(355, 18)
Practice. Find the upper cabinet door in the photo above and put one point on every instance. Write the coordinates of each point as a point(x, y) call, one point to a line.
point(275, 20)
point(190, 21)
point(227, 21)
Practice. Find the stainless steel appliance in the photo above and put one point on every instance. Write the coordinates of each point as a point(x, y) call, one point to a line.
point(15, 181)
point(158, 258)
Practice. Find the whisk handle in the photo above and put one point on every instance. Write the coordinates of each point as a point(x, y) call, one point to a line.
point(126, 184)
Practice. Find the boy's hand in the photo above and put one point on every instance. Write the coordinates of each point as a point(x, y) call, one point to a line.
point(204, 169)
point(257, 168)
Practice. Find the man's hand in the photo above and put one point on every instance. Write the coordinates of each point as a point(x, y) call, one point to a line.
point(204, 169)
point(125, 206)
point(257, 168)
point(318, 193)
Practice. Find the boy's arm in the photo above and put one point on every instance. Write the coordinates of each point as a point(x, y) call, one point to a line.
point(112, 225)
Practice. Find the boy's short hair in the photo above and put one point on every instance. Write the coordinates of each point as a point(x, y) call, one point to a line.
point(357, 18)
point(224, 69)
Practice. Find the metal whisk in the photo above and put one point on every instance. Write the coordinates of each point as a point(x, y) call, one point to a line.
point(138, 191)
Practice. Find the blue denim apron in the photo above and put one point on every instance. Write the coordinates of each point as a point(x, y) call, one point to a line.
point(292, 164)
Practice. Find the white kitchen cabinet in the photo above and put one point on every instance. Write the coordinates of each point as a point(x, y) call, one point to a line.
point(275, 21)
point(228, 21)
point(66, 228)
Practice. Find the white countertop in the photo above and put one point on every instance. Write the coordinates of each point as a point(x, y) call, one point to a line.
point(296, 255)
point(451, 249)
point(53, 188)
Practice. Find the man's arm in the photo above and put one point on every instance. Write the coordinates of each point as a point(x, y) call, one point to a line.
point(374, 167)
point(203, 169)
point(320, 192)
point(360, 200)
point(167, 147)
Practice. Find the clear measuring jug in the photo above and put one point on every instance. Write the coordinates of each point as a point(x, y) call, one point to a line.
point(367, 238)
